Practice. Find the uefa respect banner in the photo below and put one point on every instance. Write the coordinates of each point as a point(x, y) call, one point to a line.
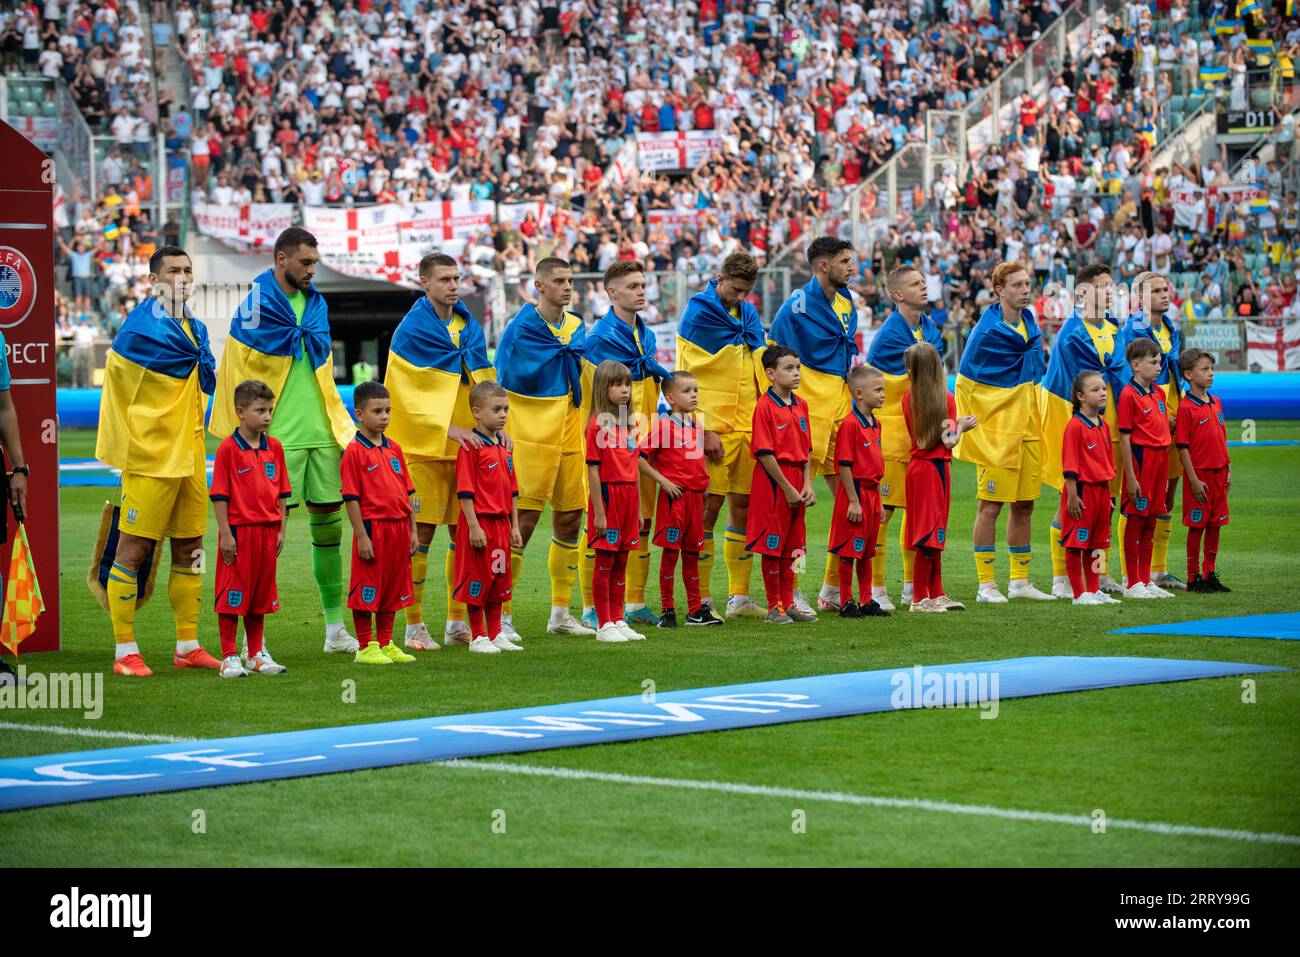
point(684, 149)
point(253, 226)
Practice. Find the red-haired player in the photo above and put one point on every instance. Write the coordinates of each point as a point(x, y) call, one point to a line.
point(1087, 467)
point(676, 451)
point(855, 521)
point(487, 488)
point(782, 486)
point(1201, 436)
point(377, 492)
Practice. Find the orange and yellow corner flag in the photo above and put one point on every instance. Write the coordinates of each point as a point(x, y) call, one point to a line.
point(23, 601)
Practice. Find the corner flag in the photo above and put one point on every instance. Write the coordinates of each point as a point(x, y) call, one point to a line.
point(23, 601)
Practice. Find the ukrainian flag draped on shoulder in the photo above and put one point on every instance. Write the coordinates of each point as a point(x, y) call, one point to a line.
point(724, 352)
point(429, 376)
point(997, 382)
point(1078, 347)
point(885, 353)
point(612, 338)
point(824, 334)
point(264, 340)
point(540, 366)
point(151, 407)
point(1170, 341)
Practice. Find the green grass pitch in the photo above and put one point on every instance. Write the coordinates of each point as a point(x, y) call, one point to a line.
point(1190, 753)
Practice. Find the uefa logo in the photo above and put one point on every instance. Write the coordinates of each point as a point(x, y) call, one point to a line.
point(17, 287)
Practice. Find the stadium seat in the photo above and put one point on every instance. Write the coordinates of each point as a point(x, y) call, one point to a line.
point(1176, 103)
point(1175, 119)
point(1093, 139)
point(27, 108)
point(49, 108)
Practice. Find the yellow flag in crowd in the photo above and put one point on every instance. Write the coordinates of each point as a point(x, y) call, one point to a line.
point(23, 601)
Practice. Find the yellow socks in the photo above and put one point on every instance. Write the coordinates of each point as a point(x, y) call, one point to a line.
point(419, 571)
point(831, 578)
point(562, 563)
point(984, 570)
point(1160, 550)
point(516, 563)
point(706, 565)
point(740, 563)
point(1058, 551)
point(1020, 555)
point(455, 610)
point(878, 563)
point(122, 589)
point(1123, 524)
point(638, 570)
point(586, 566)
point(909, 556)
point(185, 591)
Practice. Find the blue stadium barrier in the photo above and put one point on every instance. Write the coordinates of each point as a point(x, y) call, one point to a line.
point(1245, 395)
point(79, 408)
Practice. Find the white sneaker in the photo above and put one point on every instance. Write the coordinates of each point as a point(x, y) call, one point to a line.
point(231, 668)
point(1137, 590)
point(1104, 599)
point(1087, 598)
point(990, 596)
point(927, 605)
point(508, 629)
point(338, 641)
point(906, 595)
point(1168, 582)
point(611, 633)
point(502, 643)
point(628, 631)
point(1026, 590)
point(802, 604)
point(1108, 586)
point(264, 664)
point(882, 599)
point(568, 625)
point(829, 598)
point(484, 646)
point(948, 604)
point(456, 633)
point(742, 606)
point(418, 638)
point(1155, 591)
point(1061, 588)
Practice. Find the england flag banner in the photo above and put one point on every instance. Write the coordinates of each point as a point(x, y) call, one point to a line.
point(1274, 348)
point(253, 226)
point(679, 150)
point(445, 225)
point(515, 214)
point(363, 242)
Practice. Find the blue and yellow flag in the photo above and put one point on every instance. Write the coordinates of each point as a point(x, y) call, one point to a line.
point(823, 332)
point(1246, 7)
point(612, 338)
point(151, 407)
point(1225, 27)
point(997, 382)
point(429, 376)
point(540, 366)
point(893, 339)
point(1078, 347)
point(1259, 205)
point(265, 339)
point(1170, 341)
point(1261, 46)
point(1213, 74)
point(724, 351)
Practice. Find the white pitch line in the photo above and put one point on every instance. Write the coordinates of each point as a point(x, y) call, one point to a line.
point(760, 790)
point(91, 732)
point(840, 797)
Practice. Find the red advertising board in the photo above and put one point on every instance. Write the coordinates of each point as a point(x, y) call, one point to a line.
point(27, 321)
